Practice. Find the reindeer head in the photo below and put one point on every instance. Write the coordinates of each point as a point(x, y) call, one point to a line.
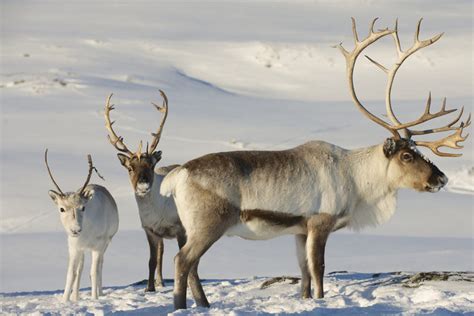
point(407, 166)
point(71, 205)
point(140, 165)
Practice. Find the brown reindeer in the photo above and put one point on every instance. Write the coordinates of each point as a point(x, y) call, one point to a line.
point(310, 190)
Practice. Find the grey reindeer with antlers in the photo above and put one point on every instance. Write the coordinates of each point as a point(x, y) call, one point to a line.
point(158, 214)
point(310, 190)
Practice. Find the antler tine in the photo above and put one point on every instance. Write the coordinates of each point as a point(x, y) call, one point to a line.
point(139, 150)
point(397, 39)
point(384, 69)
point(426, 42)
point(447, 127)
point(354, 31)
point(450, 141)
point(371, 29)
point(157, 135)
point(426, 116)
point(91, 167)
point(115, 140)
point(417, 32)
point(351, 58)
point(49, 171)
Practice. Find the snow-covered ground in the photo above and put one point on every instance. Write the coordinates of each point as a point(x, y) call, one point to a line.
point(346, 294)
point(239, 75)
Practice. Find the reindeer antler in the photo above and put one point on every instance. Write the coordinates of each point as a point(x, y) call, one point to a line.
point(351, 57)
point(89, 174)
point(49, 171)
point(115, 140)
point(157, 135)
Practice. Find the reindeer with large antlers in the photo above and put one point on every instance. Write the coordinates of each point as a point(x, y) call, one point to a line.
point(310, 190)
point(158, 214)
point(90, 218)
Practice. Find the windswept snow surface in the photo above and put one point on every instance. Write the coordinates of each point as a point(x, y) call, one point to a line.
point(239, 76)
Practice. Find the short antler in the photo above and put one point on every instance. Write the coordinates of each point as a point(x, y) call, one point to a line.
point(351, 57)
point(91, 167)
point(115, 140)
point(157, 135)
point(50, 174)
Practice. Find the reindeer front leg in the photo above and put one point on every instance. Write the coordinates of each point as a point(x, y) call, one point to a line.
point(153, 241)
point(159, 260)
point(74, 257)
point(319, 227)
point(77, 281)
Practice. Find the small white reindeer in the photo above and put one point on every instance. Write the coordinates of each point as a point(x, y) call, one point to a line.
point(90, 218)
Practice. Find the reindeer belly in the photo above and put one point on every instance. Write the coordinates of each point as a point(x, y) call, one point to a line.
point(260, 224)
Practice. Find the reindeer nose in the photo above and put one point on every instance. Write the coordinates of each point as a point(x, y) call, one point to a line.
point(143, 186)
point(443, 180)
point(76, 231)
point(142, 189)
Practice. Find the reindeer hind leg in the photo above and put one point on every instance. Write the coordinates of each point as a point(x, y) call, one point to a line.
point(303, 263)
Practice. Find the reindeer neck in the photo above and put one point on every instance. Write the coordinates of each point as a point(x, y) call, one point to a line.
point(376, 199)
point(369, 170)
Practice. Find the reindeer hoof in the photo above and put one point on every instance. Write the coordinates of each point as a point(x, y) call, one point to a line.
point(159, 284)
point(150, 289)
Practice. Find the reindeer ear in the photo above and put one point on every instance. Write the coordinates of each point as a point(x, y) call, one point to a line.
point(54, 196)
point(156, 156)
point(390, 147)
point(124, 160)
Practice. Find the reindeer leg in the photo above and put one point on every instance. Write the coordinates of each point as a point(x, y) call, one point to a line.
point(319, 228)
point(159, 267)
point(303, 263)
point(101, 268)
point(193, 279)
point(187, 257)
point(152, 243)
point(205, 223)
point(94, 274)
point(77, 281)
point(71, 273)
point(99, 277)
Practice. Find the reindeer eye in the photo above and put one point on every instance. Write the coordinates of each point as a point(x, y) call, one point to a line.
point(83, 209)
point(62, 210)
point(407, 157)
